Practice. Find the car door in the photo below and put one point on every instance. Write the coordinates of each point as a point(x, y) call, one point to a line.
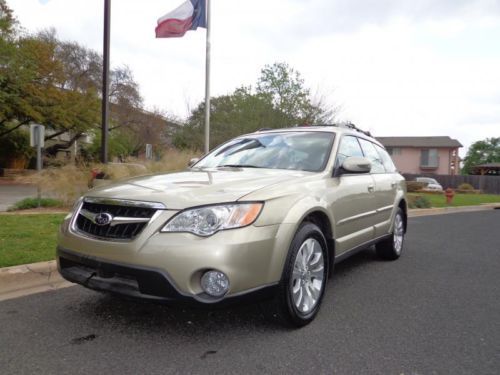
point(385, 187)
point(397, 184)
point(351, 201)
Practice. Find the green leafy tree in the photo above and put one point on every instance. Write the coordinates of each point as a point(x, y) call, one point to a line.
point(482, 152)
point(58, 84)
point(144, 127)
point(231, 115)
point(285, 88)
point(32, 87)
point(280, 100)
point(8, 22)
point(15, 147)
point(120, 145)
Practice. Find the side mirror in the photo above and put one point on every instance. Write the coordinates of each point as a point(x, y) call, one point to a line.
point(356, 164)
point(193, 161)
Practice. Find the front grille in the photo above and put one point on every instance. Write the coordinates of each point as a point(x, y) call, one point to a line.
point(125, 231)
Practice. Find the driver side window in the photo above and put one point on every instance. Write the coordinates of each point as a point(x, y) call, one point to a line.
point(349, 146)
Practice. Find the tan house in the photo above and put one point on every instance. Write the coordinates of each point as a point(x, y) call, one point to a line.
point(419, 155)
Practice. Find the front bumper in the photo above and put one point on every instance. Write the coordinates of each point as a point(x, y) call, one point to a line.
point(169, 266)
point(139, 282)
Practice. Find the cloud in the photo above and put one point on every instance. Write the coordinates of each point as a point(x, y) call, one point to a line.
point(320, 16)
point(397, 67)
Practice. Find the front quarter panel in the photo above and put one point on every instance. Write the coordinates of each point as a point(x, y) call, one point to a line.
point(289, 211)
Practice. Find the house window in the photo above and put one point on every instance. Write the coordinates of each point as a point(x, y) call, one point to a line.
point(393, 150)
point(429, 158)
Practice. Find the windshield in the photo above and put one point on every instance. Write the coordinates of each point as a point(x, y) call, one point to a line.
point(306, 151)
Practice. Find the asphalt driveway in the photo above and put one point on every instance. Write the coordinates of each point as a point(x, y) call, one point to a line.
point(434, 311)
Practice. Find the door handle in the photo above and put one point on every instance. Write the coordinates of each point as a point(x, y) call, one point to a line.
point(371, 188)
point(393, 184)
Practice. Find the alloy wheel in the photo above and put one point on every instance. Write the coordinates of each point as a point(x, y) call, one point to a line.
point(308, 276)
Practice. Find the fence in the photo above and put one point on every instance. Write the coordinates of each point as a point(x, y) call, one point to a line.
point(487, 184)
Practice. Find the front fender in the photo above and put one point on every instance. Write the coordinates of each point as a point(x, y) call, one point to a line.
point(289, 212)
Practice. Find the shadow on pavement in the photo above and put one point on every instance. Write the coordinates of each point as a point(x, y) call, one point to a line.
point(126, 314)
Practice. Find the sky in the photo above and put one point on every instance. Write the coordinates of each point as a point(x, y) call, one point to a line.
point(395, 67)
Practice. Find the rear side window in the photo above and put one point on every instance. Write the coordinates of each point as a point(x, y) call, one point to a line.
point(386, 160)
point(349, 146)
point(371, 153)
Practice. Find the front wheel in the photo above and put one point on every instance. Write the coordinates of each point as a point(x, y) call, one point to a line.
point(304, 277)
point(392, 247)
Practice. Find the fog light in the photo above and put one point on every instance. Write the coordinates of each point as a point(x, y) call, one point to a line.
point(215, 283)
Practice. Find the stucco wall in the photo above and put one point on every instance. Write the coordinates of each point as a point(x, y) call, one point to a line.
point(408, 161)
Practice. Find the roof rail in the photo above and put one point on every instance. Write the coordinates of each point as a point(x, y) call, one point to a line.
point(347, 125)
point(350, 125)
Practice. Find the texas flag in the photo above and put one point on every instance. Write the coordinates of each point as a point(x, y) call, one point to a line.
point(188, 16)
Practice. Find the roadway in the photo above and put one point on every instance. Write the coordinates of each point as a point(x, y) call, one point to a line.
point(434, 311)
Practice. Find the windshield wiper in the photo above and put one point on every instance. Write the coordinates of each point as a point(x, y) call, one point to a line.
point(238, 166)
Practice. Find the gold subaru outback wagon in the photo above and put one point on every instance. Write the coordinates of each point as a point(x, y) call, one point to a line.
point(265, 215)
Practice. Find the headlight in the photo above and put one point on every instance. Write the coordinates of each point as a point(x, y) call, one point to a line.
point(205, 221)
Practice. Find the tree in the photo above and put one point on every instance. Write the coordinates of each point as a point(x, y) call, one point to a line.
point(280, 100)
point(57, 84)
point(15, 148)
point(482, 152)
point(145, 127)
point(284, 87)
point(32, 90)
point(8, 22)
point(231, 115)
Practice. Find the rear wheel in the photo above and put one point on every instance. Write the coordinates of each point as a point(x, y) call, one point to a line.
point(392, 247)
point(304, 277)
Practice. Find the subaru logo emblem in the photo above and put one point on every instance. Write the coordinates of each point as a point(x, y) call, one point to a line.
point(103, 219)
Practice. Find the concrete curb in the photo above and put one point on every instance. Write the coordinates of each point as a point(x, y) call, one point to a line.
point(33, 278)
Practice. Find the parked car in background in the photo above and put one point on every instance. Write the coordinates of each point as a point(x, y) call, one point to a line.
point(432, 184)
point(265, 215)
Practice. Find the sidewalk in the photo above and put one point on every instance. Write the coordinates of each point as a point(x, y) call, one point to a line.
point(414, 212)
point(33, 278)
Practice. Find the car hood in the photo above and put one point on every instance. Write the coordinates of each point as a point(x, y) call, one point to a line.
point(197, 187)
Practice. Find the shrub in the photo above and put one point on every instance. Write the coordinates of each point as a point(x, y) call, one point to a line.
point(172, 160)
point(69, 182)
point(15, 149)
point(419, 201)
point(28, 203)
point(414, 186)
point(465, 186)
point(66, 183)
point(119, 171)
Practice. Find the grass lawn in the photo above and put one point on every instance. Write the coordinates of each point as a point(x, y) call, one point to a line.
point(438, 200)
point(28, 238)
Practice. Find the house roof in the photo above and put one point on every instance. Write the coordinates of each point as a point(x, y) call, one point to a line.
point(444, 141)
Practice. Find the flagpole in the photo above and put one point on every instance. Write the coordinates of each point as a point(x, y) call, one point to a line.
point(105, 83)
point(207, 82)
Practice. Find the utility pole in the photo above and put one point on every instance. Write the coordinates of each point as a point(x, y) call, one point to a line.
point(105, 82)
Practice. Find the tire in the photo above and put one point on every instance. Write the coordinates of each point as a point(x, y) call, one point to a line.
point(304, 277)
point(392, 247)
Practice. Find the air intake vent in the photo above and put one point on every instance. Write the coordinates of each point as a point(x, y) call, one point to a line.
point(114, 221)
